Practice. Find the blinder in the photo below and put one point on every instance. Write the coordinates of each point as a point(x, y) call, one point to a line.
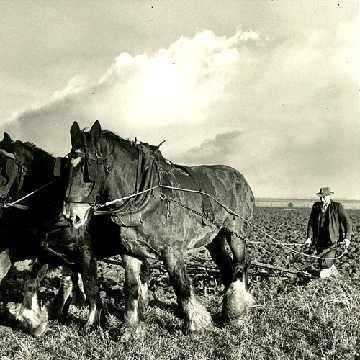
point(57, 167)
point(91, 164)
point(8, 170)
point(60, 166)
point(7, 165)
point(90, 170)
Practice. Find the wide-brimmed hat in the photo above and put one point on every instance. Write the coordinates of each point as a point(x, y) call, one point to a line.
point(324, 191)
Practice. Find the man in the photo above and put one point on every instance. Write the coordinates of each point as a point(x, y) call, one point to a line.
point(328, 224)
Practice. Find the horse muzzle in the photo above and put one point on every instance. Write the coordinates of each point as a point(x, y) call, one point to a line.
point(77, 213)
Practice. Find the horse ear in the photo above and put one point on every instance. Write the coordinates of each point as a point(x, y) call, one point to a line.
point(7, 143)
point(7, 138)
point(96, 131)
point(76, 136)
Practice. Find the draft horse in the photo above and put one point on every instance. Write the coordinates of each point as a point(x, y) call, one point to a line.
point(27, 174)
point(162, 210)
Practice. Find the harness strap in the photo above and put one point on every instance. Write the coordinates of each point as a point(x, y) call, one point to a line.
point(138, 192)
point(231, 212)
point(24, 207)
point(7, 154)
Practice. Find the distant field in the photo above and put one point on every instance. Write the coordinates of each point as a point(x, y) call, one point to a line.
point(291, 319)
point(276, 202)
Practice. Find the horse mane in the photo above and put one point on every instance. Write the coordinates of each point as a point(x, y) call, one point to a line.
point(115, 139)
point(33, 148)
point(39, 168)
point(132, 147)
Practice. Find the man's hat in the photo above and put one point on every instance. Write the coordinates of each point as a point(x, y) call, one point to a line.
point(324, 191)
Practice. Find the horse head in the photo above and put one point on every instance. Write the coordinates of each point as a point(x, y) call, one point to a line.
point(103, 166)
point(86, 174)
point(25, 164)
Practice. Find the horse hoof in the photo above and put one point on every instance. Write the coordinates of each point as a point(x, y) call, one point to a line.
point(198, 326)
point(237, 323)
point(198, 318)
point(40, 330)
point(131, 332)
point(236, 302)
point(87, 329)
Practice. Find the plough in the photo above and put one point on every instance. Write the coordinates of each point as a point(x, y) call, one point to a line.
point(196, 269)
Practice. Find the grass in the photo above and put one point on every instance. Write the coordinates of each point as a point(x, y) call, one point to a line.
point(317, 320)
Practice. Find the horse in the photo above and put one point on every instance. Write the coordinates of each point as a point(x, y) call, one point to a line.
point(162, 210)
point(27, 172)
point(31, 201)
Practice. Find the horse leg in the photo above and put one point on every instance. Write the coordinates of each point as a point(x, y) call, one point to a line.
point(136, 287)
point(89, 277)
point(237, 299)
point(59, 306)
point(69, 292)
point(221, 258)
point(144, 287)
point(196, 316)
point(240, 257)
point(78, 293)
point(5, 263)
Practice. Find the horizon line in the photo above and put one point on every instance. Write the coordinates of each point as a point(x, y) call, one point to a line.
point(298, 198)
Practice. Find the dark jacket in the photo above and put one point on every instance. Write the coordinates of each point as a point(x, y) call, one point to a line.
point(338, 224)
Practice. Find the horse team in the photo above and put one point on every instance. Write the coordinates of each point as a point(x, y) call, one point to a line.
point(110, 196)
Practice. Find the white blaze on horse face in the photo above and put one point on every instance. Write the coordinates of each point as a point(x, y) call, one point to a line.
point(77, 213)
point(75, 162)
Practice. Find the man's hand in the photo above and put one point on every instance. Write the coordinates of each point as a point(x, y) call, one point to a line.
point(308, 242)
point(346, 243)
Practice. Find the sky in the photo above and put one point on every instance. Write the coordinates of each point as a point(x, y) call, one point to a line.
point(270, 88)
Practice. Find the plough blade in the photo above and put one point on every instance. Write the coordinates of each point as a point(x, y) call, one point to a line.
point(300, 273)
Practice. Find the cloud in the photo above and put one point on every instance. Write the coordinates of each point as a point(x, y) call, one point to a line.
point(172, 87)
point(278, 109)
point(74, 86)
point(218, 150)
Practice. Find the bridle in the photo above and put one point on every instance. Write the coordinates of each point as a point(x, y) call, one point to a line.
point(19, 178)
point(147, 171)
point(91, 174)
point(14, 199)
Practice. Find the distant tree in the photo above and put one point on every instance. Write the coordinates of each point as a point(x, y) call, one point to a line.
point(290, 205)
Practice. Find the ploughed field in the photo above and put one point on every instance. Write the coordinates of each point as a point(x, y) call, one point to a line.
point(292, 317)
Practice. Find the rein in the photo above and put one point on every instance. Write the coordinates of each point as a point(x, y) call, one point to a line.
point(7, 154)
point(24, 207)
